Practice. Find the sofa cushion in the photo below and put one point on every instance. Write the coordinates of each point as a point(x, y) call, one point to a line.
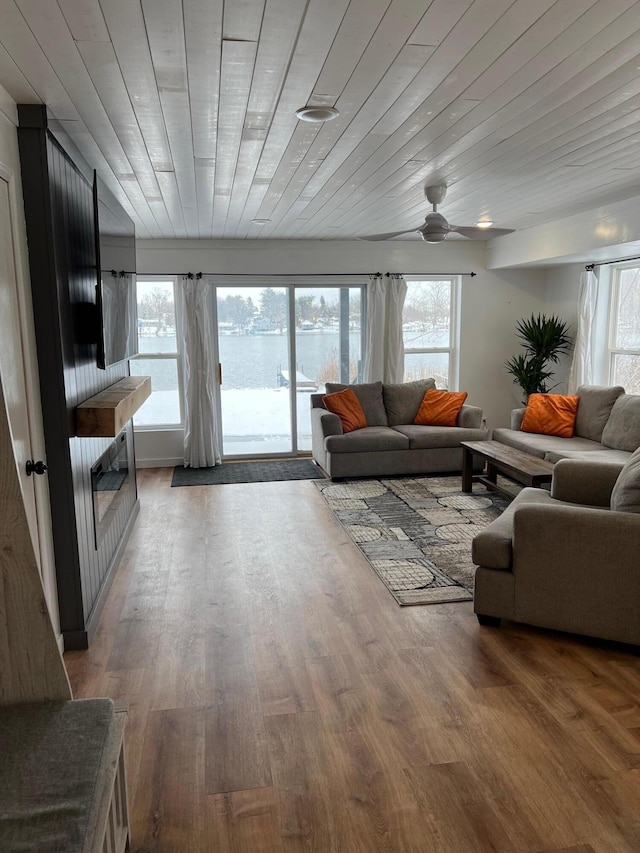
point(625, 496)
point(622, 430)
point(492, 547)
point(601, 454)
point(370, 438)
point(430, 437)
point(440, 408)
point(596, 402)
point(403, 401)
point(539, 445)
point(347, 407)
point(370, 396)
point(550, 414)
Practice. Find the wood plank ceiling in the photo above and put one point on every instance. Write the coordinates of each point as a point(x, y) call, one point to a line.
point(528, 110)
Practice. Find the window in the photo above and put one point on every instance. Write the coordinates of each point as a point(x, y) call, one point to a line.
point(624, 333)
point(158, 352)
point(428, 330)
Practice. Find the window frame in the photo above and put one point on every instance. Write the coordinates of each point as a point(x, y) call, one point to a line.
point(176, 355)
point(613, 349)
point(454, 326)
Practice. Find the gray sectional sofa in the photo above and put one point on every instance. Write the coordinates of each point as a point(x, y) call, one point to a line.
point(607, 428)
point(391, 444)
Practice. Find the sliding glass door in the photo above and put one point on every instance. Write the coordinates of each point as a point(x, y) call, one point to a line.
point(277, 345)
point(254, 353)
point(328, 346)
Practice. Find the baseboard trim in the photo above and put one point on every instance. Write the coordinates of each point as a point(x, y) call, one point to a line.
point(162, 462)
point(79, 640)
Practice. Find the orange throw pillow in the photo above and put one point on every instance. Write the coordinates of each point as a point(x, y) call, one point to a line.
point(347, 407)
point(440, 408)
point(550, 414)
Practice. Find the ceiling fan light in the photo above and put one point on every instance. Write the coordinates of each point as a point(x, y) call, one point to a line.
point(317, 113)
point(486, 223)
point(433, 236)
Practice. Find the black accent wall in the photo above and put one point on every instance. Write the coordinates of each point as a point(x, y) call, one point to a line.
point(62, 259)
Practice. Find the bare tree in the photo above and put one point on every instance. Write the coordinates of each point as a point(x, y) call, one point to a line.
point(157, 305)
point(273, 305)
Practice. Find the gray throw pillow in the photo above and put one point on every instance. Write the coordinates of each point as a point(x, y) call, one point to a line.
point(625, 496)
point(594, 409)
point(370, 396)
point(622, 431)
point(402, 401)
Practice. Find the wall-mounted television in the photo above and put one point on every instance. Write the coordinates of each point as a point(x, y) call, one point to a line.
point(115, 289)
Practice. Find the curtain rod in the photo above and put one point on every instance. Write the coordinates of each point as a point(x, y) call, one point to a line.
point(300, 275)
point(589, 267)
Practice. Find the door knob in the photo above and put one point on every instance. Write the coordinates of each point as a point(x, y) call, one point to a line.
point(35, 467)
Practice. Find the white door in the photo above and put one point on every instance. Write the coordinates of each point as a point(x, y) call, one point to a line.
point(17, 361)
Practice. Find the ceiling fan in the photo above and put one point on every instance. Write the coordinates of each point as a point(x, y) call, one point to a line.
point(436, 228)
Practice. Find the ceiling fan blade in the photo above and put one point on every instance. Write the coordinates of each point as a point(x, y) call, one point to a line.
point(387, 236)
point(474, 233)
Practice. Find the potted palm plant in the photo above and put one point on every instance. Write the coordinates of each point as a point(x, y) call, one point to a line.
point(544, 339)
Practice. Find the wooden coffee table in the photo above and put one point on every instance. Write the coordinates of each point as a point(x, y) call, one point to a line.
point(501, 459)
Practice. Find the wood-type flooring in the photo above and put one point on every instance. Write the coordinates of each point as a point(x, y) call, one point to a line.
point(280, 700)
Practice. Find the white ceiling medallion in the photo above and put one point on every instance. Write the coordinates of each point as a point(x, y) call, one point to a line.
point(317, 113)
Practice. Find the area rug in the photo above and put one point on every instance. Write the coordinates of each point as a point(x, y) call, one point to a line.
point(247, 472)
point(416, 532)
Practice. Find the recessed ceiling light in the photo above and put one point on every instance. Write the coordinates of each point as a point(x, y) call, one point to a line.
point(317, 113)
point(486, 223)
point(260, 221)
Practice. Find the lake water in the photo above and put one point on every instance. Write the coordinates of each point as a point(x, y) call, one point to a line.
point(252, 361)
point(255, 413)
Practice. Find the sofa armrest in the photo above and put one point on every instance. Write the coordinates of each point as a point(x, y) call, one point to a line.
point(470, 417)
point(579, 481)
point(516, 418)
point(325, 422)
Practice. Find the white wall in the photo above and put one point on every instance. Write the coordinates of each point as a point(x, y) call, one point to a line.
point(492, 302)
point(10, 160)
point(561, 299)
point(605, 233)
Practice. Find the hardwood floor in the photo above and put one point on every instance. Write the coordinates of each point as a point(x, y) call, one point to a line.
point(280, 700)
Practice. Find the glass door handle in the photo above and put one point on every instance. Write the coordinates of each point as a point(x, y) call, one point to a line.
point(219, 373)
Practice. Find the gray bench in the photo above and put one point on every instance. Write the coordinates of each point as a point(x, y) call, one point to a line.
point(62, 782)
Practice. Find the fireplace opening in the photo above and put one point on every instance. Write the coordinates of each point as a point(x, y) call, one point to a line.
point(110, 482)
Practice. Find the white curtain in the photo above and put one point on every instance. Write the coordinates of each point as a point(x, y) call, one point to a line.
point(581, 371)
point(116, 315)
point(384, 360)
point(201, 443)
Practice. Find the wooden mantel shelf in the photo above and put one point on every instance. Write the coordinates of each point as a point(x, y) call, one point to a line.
point(107, 413)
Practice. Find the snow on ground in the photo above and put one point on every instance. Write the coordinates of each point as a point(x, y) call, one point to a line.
point(253, 421)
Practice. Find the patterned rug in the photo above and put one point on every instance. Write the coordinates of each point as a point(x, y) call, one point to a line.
point(416, 532)
point(247, 472)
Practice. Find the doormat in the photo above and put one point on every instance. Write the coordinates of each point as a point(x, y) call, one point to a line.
point(247, 472)
point(416, 532)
